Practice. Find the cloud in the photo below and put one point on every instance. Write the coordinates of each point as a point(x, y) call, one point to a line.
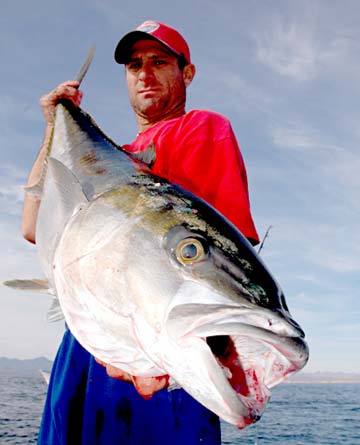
point(12, 178)
point(288, 48)
point(16, 254)
point(12, 193)
point(16, 105)
point(335, 168)
point(330, 258)
point(346, 167)
point(299, 137)
point(312, 252)
point(304, 48)
point(238, 85)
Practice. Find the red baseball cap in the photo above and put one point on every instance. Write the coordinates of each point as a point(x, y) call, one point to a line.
point(164, 34)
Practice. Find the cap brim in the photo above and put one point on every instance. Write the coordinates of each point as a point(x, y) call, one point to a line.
point(123, 48)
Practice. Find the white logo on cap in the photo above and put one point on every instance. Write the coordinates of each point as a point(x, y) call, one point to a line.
point(149, 26)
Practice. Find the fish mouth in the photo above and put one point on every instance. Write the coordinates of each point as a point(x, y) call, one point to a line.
point(247, 383)
point(253, 362)
point(251, 353)
point(253, 366)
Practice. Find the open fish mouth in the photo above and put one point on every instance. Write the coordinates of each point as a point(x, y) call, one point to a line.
point(250, 367)
point(246, 379)
point(252, 351)
point(252, 374)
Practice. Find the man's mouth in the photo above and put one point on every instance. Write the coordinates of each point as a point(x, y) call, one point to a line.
point(148, 91)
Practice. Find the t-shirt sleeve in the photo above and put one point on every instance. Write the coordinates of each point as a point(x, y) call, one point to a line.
point(207, 161)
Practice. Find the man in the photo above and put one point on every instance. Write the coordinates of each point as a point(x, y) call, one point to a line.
point(197, 150)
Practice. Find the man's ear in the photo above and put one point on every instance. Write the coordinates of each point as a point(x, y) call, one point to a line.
point(188, 74)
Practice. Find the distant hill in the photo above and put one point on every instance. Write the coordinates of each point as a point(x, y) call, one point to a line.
point(24, 368)
point(324, 377)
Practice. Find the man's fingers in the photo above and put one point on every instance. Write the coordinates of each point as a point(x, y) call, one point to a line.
point(114, 372)
point(63, 91)
point(117, 373)
point(66, 90)
point(147, 386)
point(100, 362)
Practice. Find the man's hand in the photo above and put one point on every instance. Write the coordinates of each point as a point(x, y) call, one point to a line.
point(66, 90)
point(145, 386)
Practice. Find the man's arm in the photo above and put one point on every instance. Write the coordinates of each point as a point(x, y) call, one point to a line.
point(67, 90)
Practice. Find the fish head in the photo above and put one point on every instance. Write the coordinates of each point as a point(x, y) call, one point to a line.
point(232, 335)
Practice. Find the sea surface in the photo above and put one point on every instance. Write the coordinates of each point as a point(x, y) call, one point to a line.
point(298, 414)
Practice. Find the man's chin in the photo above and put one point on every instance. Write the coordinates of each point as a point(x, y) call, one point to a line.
point(149, 109)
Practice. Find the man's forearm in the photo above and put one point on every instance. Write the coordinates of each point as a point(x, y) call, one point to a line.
point(32, 203)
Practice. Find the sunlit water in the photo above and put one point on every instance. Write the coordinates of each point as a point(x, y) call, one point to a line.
point(297, 415)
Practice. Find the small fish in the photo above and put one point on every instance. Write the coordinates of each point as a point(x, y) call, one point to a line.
point(155, 281)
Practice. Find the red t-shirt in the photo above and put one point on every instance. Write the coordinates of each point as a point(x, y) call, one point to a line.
point(199, 152)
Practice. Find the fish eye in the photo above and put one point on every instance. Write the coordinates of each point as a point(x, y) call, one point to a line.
point(190, 250)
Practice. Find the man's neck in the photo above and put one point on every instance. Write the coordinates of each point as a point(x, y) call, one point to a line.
point(144, 122)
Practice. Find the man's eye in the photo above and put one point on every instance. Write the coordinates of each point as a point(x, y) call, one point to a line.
point(134, 65)
point(160, 62)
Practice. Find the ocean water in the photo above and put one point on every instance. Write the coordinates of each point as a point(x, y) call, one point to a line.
point(21, 403)
point(297, 414)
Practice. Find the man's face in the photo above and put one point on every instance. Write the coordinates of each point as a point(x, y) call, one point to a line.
point(155, 82)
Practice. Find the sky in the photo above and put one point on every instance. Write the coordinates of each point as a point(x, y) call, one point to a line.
point(287, 75)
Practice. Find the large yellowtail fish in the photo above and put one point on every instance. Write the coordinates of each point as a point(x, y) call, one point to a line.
point(154, 280)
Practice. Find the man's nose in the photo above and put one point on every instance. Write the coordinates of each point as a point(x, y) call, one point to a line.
point(146, 72)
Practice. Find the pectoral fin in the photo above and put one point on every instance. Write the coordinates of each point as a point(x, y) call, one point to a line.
point(39, 285)
point(62, 197)
point(55, 312)
point(35, 285)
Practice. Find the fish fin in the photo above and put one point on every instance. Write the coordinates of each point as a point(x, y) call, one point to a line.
point(98, 163)
point(55, 312)
point(147, 156)
point(69, 189)
point(85, 66)
point(36, 190)
point(35, 285)
point(63, 196)
point(45, 375)
point(39, 285)
point(173, 385)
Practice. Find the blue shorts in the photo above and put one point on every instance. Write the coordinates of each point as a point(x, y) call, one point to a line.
point(86, 407)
